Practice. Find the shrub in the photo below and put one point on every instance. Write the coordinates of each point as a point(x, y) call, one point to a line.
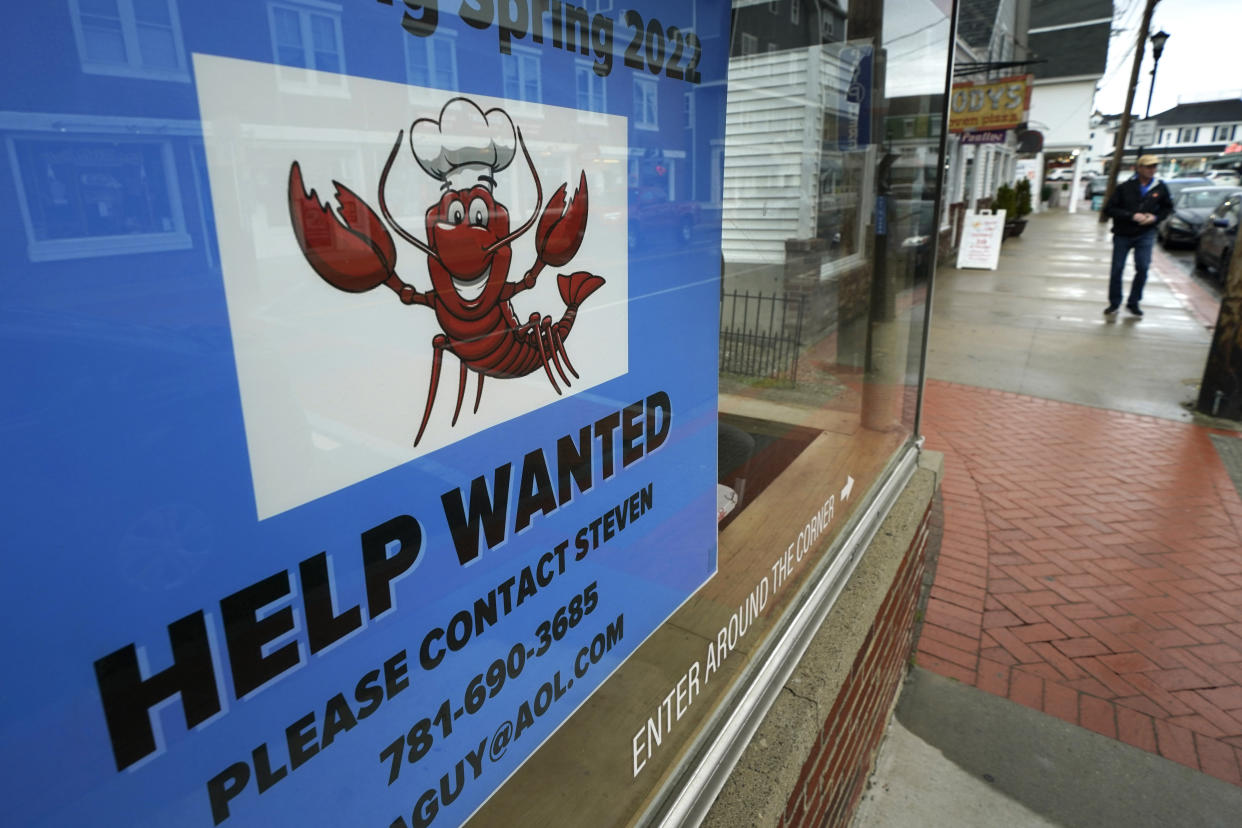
point(1007, 200)
point(1023, 192)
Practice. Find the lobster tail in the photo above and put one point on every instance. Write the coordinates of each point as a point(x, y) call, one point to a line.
point(574, 288)
point(578, 286)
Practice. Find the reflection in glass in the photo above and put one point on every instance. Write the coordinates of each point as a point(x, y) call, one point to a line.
point(157, 39)
point(592, 91)
point(77, 190)
point(287, 34)
point(306, 38)
point(646, 110)
point(828, 210)
point(431, 61)
point(829, 168)
point(523, 78)
point(137, 38)
point(101, 29)
point(85, 196)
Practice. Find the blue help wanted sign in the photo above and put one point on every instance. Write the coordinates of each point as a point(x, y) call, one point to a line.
point(360, 412)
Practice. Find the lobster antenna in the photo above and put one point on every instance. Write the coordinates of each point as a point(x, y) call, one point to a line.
point(383, 182)
point(538, 198)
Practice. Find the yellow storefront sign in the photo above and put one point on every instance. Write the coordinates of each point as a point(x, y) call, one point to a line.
point(999, 104)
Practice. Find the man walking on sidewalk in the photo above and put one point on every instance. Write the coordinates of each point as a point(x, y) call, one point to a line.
point(1136, 207)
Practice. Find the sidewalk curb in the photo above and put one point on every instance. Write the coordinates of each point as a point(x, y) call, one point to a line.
point(1065, 773)
point(1201, 304)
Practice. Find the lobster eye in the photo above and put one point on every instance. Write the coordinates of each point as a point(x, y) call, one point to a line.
point(478, 213)
point(456, 212)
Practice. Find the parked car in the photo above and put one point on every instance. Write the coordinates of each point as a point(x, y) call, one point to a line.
point(1099, 185)
point(1190, 209)
point(652, 212)
point(1224, 178)
point(1176, 185)
point(1220, 231)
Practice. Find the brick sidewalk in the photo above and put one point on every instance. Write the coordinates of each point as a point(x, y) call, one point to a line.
point(1091, 568)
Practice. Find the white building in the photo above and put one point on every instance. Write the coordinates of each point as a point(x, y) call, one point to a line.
point(1071, 40)
point(1103, 141)
point(1190, 135)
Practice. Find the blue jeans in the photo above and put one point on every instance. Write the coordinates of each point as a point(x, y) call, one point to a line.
point(1122, 245)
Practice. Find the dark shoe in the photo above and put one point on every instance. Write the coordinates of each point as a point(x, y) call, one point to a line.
point(1111, 309)
point(1134, 309)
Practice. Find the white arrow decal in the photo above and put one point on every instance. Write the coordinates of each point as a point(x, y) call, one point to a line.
point(849, 487)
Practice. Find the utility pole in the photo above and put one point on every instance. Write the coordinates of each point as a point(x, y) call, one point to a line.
point(1123, 128)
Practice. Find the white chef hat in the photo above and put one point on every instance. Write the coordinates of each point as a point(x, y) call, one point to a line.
point(466, 146)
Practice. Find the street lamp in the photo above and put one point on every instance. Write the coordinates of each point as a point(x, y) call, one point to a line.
point(1157, 49)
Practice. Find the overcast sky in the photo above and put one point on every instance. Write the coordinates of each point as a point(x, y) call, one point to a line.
point(1202, 59)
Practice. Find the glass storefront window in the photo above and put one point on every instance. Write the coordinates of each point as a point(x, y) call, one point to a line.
point(289, 468)
point(827, 201)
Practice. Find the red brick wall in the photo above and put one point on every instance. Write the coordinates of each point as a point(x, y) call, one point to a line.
point(833, 776)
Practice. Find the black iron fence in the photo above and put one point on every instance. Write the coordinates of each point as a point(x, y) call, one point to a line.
point(760, 335)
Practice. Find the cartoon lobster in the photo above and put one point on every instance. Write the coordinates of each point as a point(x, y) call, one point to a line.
point(469, 250)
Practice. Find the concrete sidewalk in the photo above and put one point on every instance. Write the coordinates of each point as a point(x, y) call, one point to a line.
point(1035, 325)
point(1081, 656)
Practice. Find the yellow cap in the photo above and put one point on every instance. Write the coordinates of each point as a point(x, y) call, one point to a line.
point(1148, 161)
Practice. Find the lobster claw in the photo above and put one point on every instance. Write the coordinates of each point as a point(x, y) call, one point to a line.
point(355, 255)
point(561, 228)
